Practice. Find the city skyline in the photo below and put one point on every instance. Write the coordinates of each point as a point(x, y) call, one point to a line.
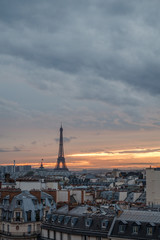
point(92, 65)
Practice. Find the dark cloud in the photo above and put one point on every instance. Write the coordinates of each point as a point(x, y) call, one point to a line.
point(14, 149)
point(65, 139)
point(34, 142)
point(93, 63)
point(111, 39)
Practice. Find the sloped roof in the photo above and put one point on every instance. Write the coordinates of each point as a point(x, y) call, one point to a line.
point(141, 216)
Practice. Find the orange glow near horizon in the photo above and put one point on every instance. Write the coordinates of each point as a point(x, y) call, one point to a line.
point(128, 158)
point(136, 153)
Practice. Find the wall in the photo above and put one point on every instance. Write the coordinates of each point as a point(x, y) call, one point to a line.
point(136, 196)
point(28, 185)
point(153, 186)
point(52, 185)
point(23, 227)
point(65, 236)
point(62, 196)
point(122, 196)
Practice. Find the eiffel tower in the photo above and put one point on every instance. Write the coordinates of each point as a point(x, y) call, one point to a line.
point(61, 159)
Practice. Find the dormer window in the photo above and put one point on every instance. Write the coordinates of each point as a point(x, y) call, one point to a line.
point(149, 231)
point(5, 201)
point(104, 223)
point(34, 201)
point(44, 202)
point(48, 217)
point(60, 218)
point(37, 215)
point(135, 229)
point(88, 222)
point(150, 228)
point(74, 221)
point(66, 219)
point(54, 218)
point(19, 202)
point(122, 226)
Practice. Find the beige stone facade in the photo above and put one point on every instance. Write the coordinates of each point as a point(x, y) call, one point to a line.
point(152, 186)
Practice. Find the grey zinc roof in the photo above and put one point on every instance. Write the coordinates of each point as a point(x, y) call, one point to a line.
point(63, 209)
point(140, 216)
point(28, 202)
point(80, 210)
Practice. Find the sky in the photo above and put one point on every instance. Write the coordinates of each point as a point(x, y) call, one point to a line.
point(92, 65)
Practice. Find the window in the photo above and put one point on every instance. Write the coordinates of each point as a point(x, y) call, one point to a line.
point(34, 201)
point(54, 234)
point(122, 228)
point(5, 201)
point(46, 212)
point(88, 222)
point(85, 237)
point(38, 227)
point(17, 216)
point(135, 229)
point(4, 215)
point(66, 219)
point(149, 231)
point(37, 215)
point(43, 202)
point(28, 215)
point(48, 233)
point(19, 202)
point(60, 218)
point(9, 215)
point(104, 223)
point(74, 221)
point(54, 217)
point(29, 229)
point(8, 228)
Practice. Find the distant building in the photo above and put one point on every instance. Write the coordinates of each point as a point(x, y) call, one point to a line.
point(38, 184)
point(153, 186)
point(14, 169)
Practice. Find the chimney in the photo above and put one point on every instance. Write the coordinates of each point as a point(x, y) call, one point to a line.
point(37, 194)
point(7, 177)
point(14, 166)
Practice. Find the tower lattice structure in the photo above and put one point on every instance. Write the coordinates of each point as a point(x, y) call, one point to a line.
point(61, 159)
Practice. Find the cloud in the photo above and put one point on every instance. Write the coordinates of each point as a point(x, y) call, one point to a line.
point(92, 64)
point(141, 151)
point(116, 45)
point(65, 139)
point(14, 149)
